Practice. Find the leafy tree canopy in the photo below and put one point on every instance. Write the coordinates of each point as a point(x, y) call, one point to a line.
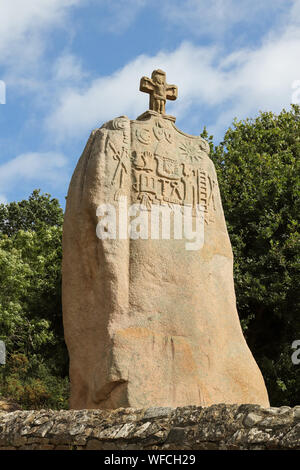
point(258, 167)
point(30, 300)
point(259, 177)
point(30, 214)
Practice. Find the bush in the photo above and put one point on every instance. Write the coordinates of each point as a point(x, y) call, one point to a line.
point(30, 303)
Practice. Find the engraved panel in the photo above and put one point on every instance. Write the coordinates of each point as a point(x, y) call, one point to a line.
point(158, 179)
point(173, 170)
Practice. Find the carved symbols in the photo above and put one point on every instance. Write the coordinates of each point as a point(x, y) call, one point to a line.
point(122, 158)
point(143, 135)
point(160, 177)
point(191, 152)
point(122, 123)
point(118, 149)
point(162, 132)
point(164, 180)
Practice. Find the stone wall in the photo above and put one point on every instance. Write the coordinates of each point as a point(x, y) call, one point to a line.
point(186, 428)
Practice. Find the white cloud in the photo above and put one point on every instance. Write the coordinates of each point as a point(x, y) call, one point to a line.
point(20, 20)
point(47, 168)
point(237, 84)
point(25, 28)
point(25, 25)
point(68, 67)
point(78, 110)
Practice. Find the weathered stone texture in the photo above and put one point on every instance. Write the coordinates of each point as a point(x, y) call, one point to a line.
point(148, 322)
point(231, 427)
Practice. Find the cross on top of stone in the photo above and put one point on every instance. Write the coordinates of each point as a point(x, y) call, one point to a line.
point(158, 90)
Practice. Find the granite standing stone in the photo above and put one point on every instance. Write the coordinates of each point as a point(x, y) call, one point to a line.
point(151, 321)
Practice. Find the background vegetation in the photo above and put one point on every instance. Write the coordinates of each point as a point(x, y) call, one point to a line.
point(35, 374)
point(259, 176)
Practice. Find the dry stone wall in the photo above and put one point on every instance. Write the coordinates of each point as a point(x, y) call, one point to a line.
point(185, 428)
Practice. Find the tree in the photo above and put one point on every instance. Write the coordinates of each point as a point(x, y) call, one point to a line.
point(30, 300)
point(258, 170)
point(258, 167)
point(30, 215)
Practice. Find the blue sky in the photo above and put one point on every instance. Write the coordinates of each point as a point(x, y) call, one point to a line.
point(71, 65)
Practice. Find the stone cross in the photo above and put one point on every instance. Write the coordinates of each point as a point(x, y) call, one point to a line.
point(158, 90)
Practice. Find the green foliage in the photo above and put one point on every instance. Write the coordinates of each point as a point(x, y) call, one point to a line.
point(258, 167)
point(30, 383)
point(259, 177)
point(30, 302)
point(30, 215)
